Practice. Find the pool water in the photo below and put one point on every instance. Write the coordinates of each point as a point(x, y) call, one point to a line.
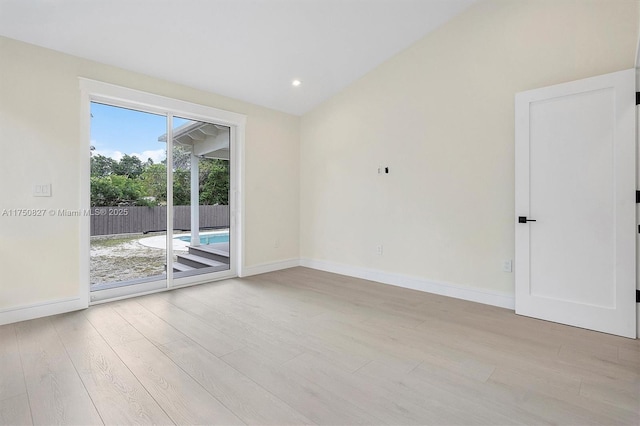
point(207, 238)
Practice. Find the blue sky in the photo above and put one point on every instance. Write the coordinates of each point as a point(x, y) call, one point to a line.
point(117, 131)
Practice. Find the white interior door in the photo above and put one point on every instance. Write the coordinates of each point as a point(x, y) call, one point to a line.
point(575, 185)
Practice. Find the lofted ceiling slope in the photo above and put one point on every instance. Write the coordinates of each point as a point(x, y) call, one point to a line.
point(250, 50)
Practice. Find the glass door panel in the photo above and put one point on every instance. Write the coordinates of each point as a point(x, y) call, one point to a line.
point(128, 248)
point(200, 198)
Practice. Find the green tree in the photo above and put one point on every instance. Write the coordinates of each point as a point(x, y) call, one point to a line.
point(181, 158)
point(114, 190)
point(214, 182)
point(154, 185)
point(133, 182)
point(129, 165)
point(154, 182)
point(102, 166)
point(181, 187)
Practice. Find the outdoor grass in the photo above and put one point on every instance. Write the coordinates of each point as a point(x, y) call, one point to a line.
point(112, 242)
point(123, 258)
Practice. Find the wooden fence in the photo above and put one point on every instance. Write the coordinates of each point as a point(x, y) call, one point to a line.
point(128, 220)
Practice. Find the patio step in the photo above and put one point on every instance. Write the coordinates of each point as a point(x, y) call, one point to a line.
point(197, 262)
point(217, 252)
point(181, 267)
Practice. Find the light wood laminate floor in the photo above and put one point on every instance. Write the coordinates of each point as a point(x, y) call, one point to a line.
point(308, 347)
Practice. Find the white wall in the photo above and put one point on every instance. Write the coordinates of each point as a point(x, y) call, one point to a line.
point(40, 140)
point(440, 115)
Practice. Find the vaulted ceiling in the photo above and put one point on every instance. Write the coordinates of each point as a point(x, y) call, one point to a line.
point(250, 50)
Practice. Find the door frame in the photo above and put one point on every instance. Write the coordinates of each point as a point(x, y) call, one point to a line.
point(119, 96)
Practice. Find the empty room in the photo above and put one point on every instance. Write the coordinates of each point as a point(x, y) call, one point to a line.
point(319, 212)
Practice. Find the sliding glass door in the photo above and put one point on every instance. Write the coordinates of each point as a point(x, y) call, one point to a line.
point(160, 190)
point(128, 199)
point(200, 197)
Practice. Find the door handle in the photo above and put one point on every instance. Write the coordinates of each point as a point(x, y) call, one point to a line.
point(523, 219)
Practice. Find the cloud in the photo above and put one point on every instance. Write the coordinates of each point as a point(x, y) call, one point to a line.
point(156, 155)
point(116, 155)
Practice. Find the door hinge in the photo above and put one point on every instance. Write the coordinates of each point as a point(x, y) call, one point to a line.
point(637, 98)
point(637, 296)
point(637, 197)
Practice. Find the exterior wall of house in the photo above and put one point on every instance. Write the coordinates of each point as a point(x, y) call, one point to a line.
point(40, 134)
point(440, 115)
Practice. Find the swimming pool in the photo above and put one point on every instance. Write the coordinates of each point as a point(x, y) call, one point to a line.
point(218, 237)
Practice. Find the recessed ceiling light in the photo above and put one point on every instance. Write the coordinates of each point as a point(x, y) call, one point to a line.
point(296, 83)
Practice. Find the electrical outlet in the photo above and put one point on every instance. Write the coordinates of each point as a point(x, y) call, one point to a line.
point(507, 266)
point(379, 249)
point(276, 243)
point(42, 190)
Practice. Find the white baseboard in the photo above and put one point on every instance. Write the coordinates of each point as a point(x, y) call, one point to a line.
point(488, 297)
point(269, 267)
point(39, 310)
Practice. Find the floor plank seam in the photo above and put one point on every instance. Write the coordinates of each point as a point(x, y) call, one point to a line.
point(26, 388)
point(66, 351)
point(24, 379)
point(127, 366)
point(159, 403)
point(187, 338)
point(361, 367)
point(259, 385)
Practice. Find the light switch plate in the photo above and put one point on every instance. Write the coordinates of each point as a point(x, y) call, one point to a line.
point(42, 190)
